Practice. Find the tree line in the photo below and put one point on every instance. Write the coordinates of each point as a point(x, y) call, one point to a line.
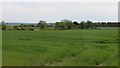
point(63, 25)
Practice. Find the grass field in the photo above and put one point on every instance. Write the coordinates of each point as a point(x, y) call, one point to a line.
point(60, 48)
point(0, 48)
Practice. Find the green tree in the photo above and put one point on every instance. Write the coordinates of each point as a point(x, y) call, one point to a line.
point(64, 24)
point(3, 25)
point(60, 25)
point(103, 24)
point(89, 24)
point(76, 24)
point(82, 25)
point(67, 23)
point(42, 24)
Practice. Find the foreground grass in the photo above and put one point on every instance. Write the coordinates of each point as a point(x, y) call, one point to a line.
point(60, 48)
point(0, 48)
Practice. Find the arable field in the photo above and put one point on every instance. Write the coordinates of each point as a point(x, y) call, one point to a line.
point(60, 47)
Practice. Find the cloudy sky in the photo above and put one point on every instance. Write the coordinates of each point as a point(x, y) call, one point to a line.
point(56, 11)
point(59, 0)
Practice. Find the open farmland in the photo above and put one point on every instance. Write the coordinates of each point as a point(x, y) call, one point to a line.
point(60, 47)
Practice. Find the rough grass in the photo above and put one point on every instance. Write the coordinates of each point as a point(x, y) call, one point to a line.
point(60, 48)
point(0, 48)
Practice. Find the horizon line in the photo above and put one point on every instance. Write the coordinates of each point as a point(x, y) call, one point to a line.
point(54, 22)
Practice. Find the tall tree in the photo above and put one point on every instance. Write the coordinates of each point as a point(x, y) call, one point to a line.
point(68, 23)
point(42, 24)
point(89, 24)
point(82, 25)
point(75, 23)
point(64, 24)
point(3, 25)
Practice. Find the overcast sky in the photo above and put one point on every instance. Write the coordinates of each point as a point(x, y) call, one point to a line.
point(59, 0)
point(56, 11)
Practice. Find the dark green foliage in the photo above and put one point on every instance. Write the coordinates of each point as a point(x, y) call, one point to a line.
point(17, 28)
point(75, 23)
point(82, 25)
point(68, 24)
point(42, 24)
point(3, 25)
point(64, 24)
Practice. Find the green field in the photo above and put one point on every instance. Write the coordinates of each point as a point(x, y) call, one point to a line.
point(0, 48)
point(60, 47)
